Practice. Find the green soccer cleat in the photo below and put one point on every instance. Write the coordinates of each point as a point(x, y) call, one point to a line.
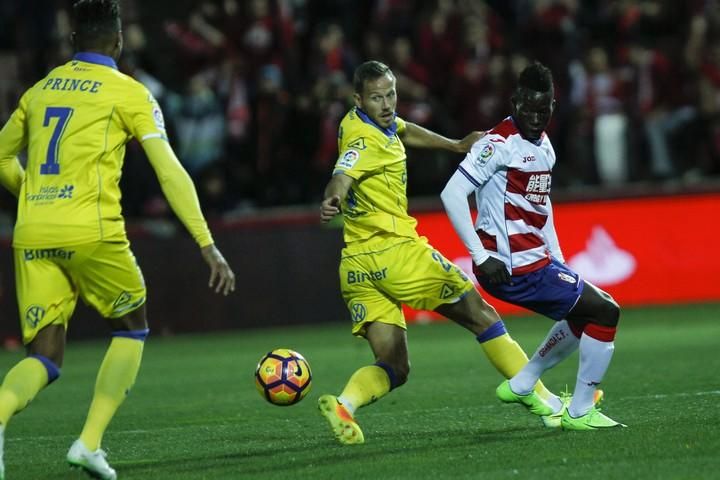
point(532, 401)
point(343, 425)
point(593, 420)
point(554, 420)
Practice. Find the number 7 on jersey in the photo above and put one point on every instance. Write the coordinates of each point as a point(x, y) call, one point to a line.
point(63, 114)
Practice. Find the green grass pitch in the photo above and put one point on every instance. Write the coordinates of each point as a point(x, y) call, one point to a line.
point(194, 412)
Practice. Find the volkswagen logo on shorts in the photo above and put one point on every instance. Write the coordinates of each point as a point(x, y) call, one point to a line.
point(359, 312)
point(34, 314)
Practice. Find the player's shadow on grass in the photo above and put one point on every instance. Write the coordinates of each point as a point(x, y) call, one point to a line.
point(456, 437)
point(296, 454)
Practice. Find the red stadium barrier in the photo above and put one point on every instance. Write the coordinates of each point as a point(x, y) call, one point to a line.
point(641, 251)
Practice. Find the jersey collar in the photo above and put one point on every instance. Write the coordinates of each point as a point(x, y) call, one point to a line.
point(98, 58)
point(390, 131)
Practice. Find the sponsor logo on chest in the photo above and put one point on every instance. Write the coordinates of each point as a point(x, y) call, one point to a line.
point(50, 193)
point(533, 186)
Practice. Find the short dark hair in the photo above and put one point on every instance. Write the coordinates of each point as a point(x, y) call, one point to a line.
point(536, 76)
point(368, 71)
point(97, 22)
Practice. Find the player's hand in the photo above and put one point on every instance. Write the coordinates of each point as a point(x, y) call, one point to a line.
point(466, 143)
point(494, 271)
point(221, 275)
point(329, 208)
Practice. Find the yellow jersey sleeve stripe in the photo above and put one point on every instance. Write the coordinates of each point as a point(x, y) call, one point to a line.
point(153, 135)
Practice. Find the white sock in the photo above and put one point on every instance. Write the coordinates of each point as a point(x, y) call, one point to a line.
point(595, 356)
point(348, 406)
point(558, 344)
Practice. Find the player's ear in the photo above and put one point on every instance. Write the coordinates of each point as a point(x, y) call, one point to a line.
point(357, 99)
point(118, 44)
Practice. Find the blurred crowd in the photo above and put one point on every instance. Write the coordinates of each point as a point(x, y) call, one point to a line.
point(253, 90)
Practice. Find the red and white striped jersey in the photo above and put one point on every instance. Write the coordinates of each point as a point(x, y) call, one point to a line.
point(511, 178)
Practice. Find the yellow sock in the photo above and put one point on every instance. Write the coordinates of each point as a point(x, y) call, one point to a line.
point(116, 376)
point(508, 358)
point(365, 386)
point(20, 386)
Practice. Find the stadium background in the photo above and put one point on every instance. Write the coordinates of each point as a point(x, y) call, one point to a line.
point(253, 91)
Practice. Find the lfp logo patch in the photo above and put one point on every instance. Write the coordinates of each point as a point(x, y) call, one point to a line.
point(158, 117)
point(348, 159)
point(486, 153)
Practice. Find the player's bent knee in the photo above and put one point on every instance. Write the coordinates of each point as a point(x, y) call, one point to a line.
point(402, 372)
point(609, 313)
point(139, 335)
point(402, 376)
point(52, 368)
point(472, 312)
point(133, 321)
point(49, 343)
point(397, 372)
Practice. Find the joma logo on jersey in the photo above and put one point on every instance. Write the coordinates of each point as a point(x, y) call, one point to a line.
point(39, 254)
point(359, 277)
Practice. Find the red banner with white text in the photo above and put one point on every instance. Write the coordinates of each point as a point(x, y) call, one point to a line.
point(642, 251)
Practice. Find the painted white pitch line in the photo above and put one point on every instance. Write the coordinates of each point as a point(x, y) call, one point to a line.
point(668, 395)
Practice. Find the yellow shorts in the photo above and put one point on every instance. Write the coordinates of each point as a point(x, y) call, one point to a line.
point(49, 281)
point(377, 278)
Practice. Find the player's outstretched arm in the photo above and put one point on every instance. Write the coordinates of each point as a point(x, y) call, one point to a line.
point(416, 136)
point(335, 192)
point(182, 196)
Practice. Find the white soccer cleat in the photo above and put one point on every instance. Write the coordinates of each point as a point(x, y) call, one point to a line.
point(94, 463)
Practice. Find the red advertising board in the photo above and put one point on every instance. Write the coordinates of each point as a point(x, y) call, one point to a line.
point(645, 251)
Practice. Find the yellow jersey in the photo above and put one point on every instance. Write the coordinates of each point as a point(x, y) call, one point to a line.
point(75, 123)
point(375, 158)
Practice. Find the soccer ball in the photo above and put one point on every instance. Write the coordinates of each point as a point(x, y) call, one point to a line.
point(283, 377)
